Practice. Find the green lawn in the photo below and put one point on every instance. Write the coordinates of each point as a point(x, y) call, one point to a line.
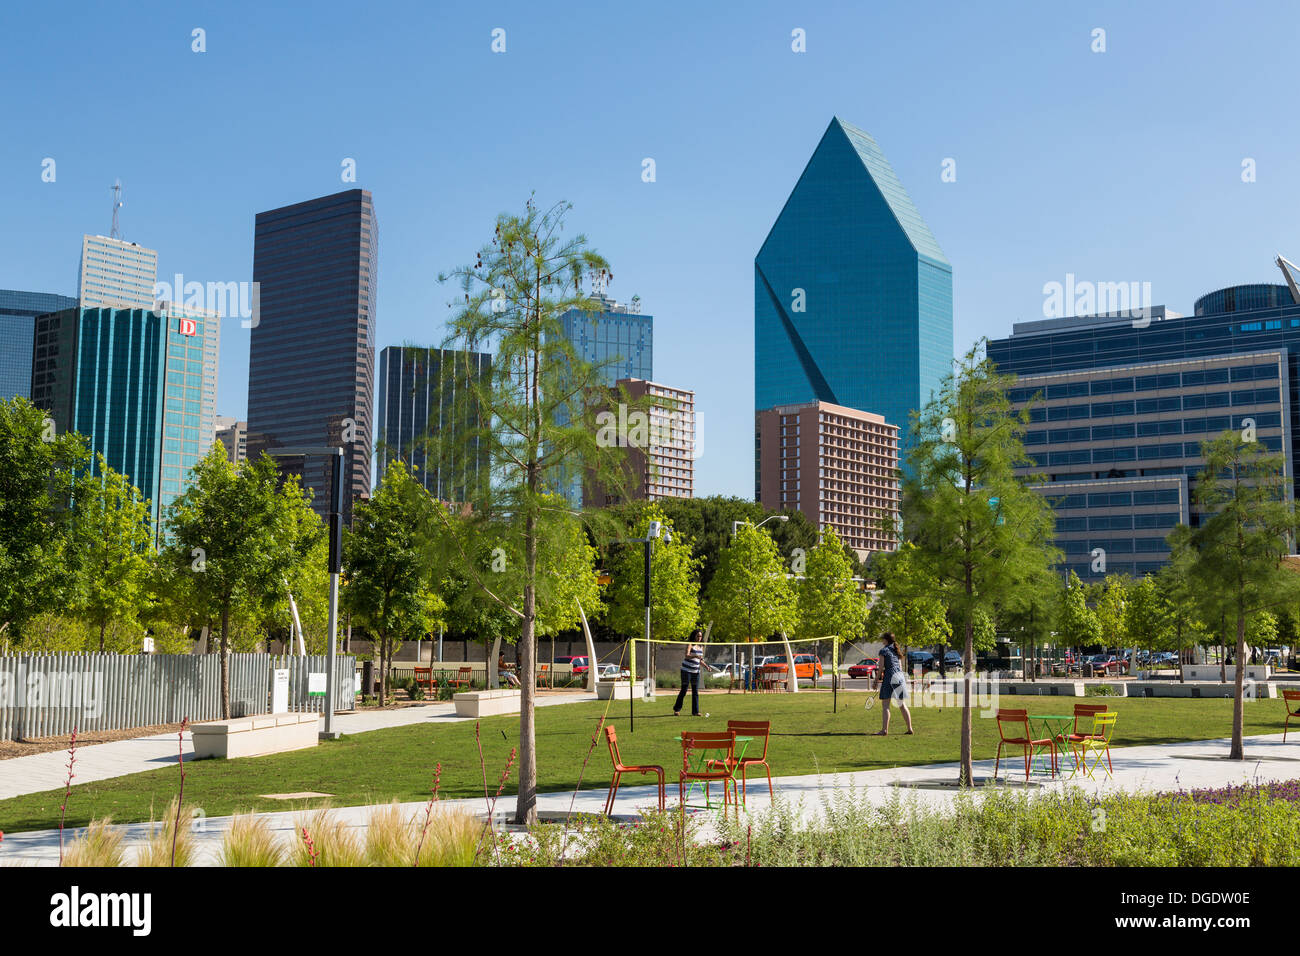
point(383, 764)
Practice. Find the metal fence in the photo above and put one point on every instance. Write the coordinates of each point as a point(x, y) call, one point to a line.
point(45, 695)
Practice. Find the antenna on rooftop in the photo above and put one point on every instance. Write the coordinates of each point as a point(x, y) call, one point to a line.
point(117, 204)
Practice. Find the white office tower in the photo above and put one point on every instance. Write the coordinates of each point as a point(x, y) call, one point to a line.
point(116, 274)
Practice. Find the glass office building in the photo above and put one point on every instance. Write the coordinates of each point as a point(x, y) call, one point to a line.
point(619, 340)
point(1124, 403)
point(311, 359)
point(423, 396)
point(104, 373)
point(18, 311)
point(852, 294)
point(189, 405)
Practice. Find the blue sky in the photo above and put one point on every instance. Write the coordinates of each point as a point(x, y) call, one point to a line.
point(1117, 166)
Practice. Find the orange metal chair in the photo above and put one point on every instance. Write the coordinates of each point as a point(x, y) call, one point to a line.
point(722, 769)
point(424, 678)
point(1290, 697)
point(463, 677)
point(544, 675)
point(751, 728)
point(621, 768)
point(1020, 719)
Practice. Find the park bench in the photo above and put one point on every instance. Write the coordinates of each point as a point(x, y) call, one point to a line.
point(487, 703)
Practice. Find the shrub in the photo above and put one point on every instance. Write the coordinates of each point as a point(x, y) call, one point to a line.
point(98, 845)
point(157, 849)
point(250, 842)
point(332, 842)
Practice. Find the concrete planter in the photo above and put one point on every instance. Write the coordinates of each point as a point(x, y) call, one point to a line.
point(1210, 672)
point(255, 736)
point(487, 703)
point(619, 689)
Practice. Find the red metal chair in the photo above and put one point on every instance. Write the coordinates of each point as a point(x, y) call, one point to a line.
point(1289, 697)
point(1020, 719)
point(424, 678)
point(722, 769)
point(751, 728)
point(621, 768)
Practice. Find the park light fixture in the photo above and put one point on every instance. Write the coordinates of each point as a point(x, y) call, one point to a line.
point(735, 525)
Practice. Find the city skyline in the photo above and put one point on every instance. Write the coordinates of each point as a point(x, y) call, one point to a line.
point(1085, 172)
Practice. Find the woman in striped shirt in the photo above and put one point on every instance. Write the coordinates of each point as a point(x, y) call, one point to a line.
point(691, 674)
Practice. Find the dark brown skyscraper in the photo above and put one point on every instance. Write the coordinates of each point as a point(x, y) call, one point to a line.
point(311, 361)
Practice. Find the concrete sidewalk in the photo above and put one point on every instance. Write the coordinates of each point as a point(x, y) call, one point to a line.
point(49, 771)
point(1188, 766)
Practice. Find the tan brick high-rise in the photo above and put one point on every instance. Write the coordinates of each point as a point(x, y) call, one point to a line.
point(837, 465)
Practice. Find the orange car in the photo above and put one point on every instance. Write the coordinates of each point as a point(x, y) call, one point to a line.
point(806, 666)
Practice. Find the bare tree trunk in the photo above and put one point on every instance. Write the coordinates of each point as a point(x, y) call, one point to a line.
point(1238, 703)
point(102, 625)
point(225, 662)
point(968, 660)
point(526, 806)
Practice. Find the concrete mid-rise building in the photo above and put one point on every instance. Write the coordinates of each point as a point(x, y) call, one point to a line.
point(837, 465)
point(232, 434)
point(661, 448)
point(116, 274)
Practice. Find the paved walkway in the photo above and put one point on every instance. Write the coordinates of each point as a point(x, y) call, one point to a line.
point(49, 771)
point(1188, 765)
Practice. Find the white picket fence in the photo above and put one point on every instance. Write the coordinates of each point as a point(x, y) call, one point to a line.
point(45, 695)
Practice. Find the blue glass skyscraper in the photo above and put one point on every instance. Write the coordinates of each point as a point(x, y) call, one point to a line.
point(852, 294)
point(619, 341)
point(18, 311)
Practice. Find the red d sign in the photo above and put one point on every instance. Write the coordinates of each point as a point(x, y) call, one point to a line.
point(189, 327)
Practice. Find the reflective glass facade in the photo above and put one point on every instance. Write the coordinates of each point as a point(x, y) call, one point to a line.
point(1121, 447)
point(619, 340)
point(312, 355)
point(18, 311)
point(101, 372)
point(1125, 398)
point(852, 294)
point(421, 394)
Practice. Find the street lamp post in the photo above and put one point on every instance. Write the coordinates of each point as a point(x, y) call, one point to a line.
point(652, 533)
point(335, 566)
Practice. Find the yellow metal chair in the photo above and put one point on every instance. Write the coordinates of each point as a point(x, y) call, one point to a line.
point(1098, 742)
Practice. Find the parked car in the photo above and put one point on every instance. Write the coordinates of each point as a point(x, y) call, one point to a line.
point(579, 664)
point(611, 672)
point(921, 659)
point(952, 658)
point(1106, 663)
point(806, 666)
point(867, 667)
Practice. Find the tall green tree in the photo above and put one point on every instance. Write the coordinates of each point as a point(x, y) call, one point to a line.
point(978, 527)
point(1076, 622)
point(830, 601)
point(37, 557)
point(1235, 556)
point(533, 420)
point(910, 607)
point(674, 584)
point(1112, 596)
point(1028, 614)
point(390, 586)
point(1147, 619)
point(113, 542)
point(750, 598)
point(234, 536)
